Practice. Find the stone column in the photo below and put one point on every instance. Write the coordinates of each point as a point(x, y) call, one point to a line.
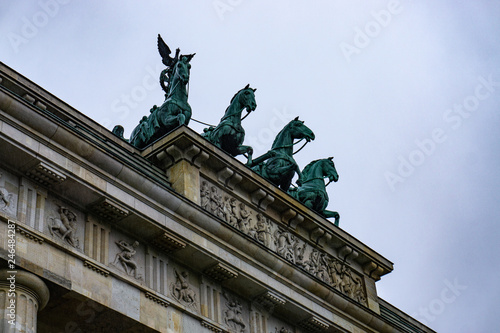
point(22, 295)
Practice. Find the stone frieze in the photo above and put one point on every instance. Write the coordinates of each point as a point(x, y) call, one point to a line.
point(332, 271)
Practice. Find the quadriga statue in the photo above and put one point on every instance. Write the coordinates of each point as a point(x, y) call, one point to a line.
point(175, 111)
point(312, 189)
point(229, 134)
point(278, 165)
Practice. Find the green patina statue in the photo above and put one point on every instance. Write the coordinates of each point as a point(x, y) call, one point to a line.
point(175, 111)
point(229, 134)
point(118, 131)
point(278, 165)
point(312, 189)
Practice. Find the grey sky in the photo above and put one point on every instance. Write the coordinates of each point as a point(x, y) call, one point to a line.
point(404, 94)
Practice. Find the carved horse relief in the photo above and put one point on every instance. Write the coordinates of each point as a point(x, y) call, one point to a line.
point(64, 227)
point(233, 316)
point(6, 201)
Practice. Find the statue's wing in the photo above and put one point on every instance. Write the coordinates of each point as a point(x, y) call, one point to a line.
point(164, 52)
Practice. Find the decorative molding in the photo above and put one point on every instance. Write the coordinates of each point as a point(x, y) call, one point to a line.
point(228, 177)
point(168, 242)
point(373, 270)
point(173, 154)
point(195, 155)
point(45, 174)
point(270, 300)
point(96, 268)
point(28, 234)
point(221, 272)
point(291, 218)
point(157, 299)
point(262, 199)
point(109, 210)
point(41, 105)
point(29, 98)
point(314, 324)
point(346, 252)
point(211, 327)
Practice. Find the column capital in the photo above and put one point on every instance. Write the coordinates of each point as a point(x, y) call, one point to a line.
point(27, 281)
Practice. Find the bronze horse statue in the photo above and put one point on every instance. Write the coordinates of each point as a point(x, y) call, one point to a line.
point(175, 111)
point(278, 165)
point(229, 134)
point(312, 189)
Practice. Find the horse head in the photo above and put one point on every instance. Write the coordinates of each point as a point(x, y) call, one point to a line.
point(329, 169)
point(298, 130)
point(181, 69)
point(246, 98)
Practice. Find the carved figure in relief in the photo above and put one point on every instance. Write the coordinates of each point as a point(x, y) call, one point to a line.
point(284, 245)
point(358, 292)
point(233, 314)
point(282, 330)
point(311, 265)
point(344, 280)
point(244, 220)
point(181, 290)
point(231, 211)
point(205, 195)
point(263, 230)
point(322, 269)
point(299, 248)
point(125, 258)
point(216, 203)
point(64, 227)
point(5, 200)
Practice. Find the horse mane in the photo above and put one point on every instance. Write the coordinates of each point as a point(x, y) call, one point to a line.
point(282, 130)
point(308, 167)
point(232, 99)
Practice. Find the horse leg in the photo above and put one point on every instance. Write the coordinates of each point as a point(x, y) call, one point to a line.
point(181, 118)
point(51, 227)
point(246, 150)
point(329, 213)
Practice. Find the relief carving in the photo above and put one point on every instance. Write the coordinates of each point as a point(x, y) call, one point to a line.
point(6, 202)
point(344, 280)
point(233, 317)
point(287, 245)
point(64, 226)
point(281, 330)
point(262, 231)
point(125, 258)
point(181, 290)
point(205, 195)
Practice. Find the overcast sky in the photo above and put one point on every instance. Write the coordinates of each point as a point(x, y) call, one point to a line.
point(404, 94)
